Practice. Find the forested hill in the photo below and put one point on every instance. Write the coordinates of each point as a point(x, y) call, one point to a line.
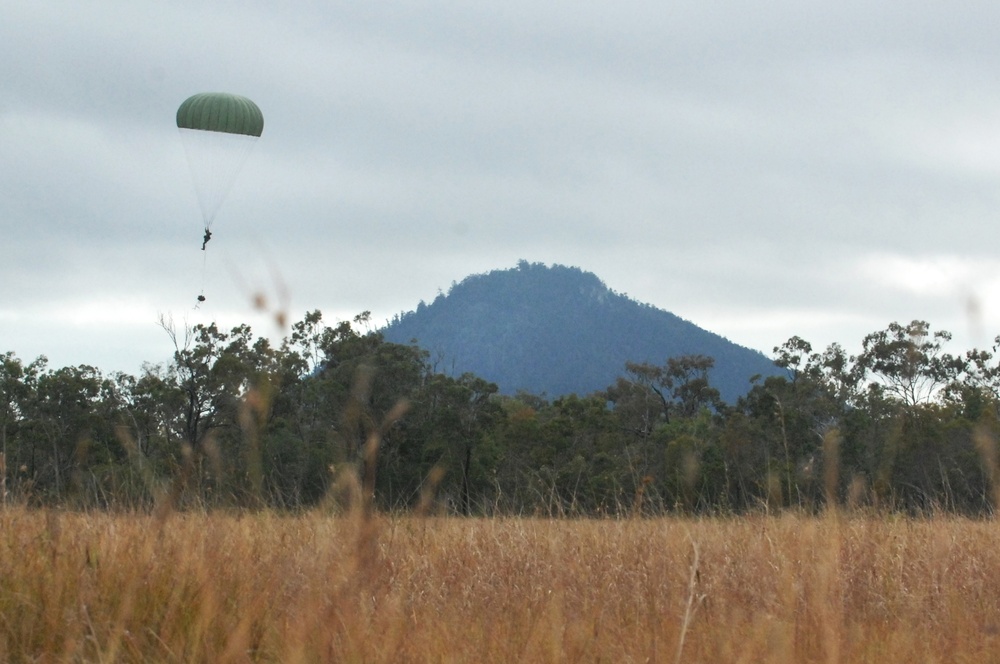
point(559, 330)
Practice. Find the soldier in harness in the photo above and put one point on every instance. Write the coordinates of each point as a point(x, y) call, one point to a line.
point(204, 241)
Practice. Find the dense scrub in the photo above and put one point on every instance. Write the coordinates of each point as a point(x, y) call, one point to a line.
point(233, 421)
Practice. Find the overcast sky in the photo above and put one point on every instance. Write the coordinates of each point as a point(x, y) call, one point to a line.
point(760, 169)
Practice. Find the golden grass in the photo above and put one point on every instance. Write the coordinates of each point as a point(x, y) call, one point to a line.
point(219, 587)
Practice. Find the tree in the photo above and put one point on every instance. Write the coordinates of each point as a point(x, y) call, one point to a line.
point(216, 371)
point(18, 383)
point(908, 362)
point(687, 377)
point(639, 398)
point(648, 394)
point(64, 417)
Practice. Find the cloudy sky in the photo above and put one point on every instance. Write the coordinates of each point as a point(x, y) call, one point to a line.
point(761, 169)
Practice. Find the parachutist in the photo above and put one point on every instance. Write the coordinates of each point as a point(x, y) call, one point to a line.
point(204, 240)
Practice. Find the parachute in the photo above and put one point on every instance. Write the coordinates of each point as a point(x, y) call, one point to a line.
point(218, 131)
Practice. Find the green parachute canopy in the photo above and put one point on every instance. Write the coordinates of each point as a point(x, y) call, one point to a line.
point(221, 112)
point(218, 131)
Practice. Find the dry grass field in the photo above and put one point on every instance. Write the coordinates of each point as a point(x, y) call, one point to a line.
point(217, 587)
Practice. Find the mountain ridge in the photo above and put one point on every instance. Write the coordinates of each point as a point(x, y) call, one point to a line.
point(556, 330)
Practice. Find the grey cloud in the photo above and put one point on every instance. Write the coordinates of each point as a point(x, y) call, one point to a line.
point(724, 160)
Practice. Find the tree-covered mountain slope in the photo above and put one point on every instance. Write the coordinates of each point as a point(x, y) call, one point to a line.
point(559, 330)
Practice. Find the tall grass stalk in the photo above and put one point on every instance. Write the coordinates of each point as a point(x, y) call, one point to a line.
point(310, 587)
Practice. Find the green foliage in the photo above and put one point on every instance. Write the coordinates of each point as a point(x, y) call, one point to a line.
point(233, 421)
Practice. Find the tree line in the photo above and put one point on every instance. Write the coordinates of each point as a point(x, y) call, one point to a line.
point(333, 414)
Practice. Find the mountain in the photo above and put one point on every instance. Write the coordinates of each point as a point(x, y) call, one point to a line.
point(559, 330)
